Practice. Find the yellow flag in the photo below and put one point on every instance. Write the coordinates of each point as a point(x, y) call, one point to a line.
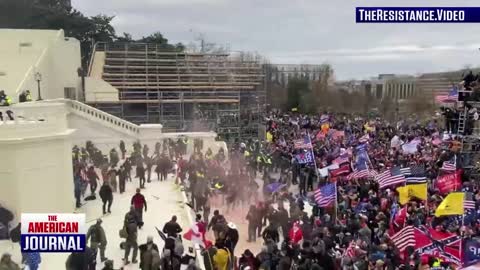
point(412, 191)
point(451, 205)
point(269, 136)
point(294, 109)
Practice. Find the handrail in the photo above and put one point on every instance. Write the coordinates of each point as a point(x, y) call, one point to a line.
point(37, 63)
point(91, 59)
point(20, 86)
point(95, 113)
point(101, 115)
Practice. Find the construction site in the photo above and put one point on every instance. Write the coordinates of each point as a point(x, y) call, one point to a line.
point(183, 91)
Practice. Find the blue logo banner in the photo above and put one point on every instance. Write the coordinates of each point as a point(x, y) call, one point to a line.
point(53, 242)
point(305, 158)
point(471, 252)
point(417, 14)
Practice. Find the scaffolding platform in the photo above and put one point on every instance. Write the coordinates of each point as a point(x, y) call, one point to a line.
point(184, 91)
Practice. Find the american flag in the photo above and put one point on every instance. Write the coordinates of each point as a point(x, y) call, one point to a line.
point(468, 204)
point(326, 195)
point(451, 97)
point(341, 160)
point(324, 118)
point(467, 218)
point(415, 174)
point(304, 143)
point(449, 165)
point(365, 138)
point(391, 177)
point(362, 174)
point(404, 238)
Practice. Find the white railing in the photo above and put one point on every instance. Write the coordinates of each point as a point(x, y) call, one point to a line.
point(33, 67)
point(32, 121)
point(92, 57)
point(94, 114)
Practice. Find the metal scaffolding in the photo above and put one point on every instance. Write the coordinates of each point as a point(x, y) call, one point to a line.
point(184, 91)
point(468, 135)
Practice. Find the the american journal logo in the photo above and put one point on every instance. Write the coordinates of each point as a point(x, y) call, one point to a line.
point(53, 232)
point(418, 14)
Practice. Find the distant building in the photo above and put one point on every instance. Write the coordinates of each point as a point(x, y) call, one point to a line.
point(397, 87)
point(405, 86)
point(384, 86)
point(351, 86)
point(439, 83)
point(282, 73)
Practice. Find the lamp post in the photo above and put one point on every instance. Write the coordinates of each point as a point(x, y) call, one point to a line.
point(38, 78)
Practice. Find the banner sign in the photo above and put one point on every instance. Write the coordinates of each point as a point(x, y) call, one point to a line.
point(417, 14)
point(448, 182)
point(53, 232)
point(305, 158)
point(471, 251)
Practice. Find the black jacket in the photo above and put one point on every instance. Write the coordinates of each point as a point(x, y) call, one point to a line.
point(106, 193)
point(215, 221)
point(271, 233)
point(144, 248)
point(232, 237)
point(208, 255)
point(172, 228)
point(80, 260)
point(282, 217)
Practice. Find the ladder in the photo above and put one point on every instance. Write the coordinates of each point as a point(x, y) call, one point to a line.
point(462, 120)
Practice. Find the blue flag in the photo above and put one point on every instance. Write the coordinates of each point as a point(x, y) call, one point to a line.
point(304, 158)
point(471, 252)
point(361, 161)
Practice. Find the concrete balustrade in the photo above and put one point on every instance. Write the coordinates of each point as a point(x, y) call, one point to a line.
point(36, 148)
point(98, 115)
point(105, 130)
point(33, 120)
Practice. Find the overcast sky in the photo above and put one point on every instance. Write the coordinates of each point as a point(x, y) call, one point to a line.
point(304, 32)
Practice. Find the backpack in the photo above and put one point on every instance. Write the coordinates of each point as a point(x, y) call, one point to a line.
point(96, 235)
point(15, 234)
point(90, 198)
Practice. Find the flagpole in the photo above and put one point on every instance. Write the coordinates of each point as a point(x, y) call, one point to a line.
point(456, 181)
point(336, 203)
point(462, 235)
point(313, 155)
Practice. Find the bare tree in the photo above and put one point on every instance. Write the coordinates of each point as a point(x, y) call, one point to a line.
point(421, 103)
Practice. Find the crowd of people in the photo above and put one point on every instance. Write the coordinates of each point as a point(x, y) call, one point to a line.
point(391, 183)
point(326, 191)
point(116, 171)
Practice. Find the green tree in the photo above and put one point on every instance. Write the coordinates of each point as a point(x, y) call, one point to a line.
point(296, 89)
point(125, 38)
point(180, 47)
point(388, 107)
point(57, 14)
point(101, 28)
point(158, 38)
